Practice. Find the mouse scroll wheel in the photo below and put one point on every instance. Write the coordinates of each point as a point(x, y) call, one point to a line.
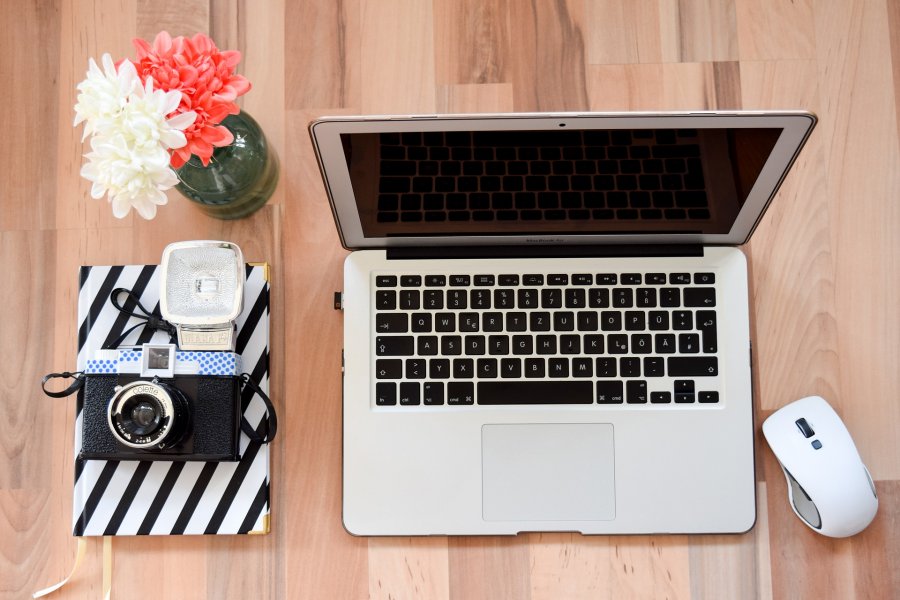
point(804, 428)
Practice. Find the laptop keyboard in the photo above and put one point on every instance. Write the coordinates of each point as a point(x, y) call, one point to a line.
point(545, 338)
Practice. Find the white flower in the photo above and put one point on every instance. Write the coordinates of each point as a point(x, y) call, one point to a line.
point(131, 137)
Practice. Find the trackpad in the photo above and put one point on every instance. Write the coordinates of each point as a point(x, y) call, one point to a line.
point(548, 472)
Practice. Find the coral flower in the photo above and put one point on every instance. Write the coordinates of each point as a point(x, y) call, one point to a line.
point(208, 84)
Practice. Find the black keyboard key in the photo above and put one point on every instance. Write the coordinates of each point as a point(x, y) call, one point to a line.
point(492, 321)
point(433, 299)
point(684, 386)
point(391, 323)
point(389, 368)
point(593, 344)
point(563, 321)
point(679, 278)
point(480, 299)
point(482, 280)
point(460, 280)
point(558, 367)
point(570, 344)
point(598, 298)
point(688, 343)
point(658, 320)
point(706, 323)
point(704, 278)
point(551, 298)
point(516, 321)
point(654, 366)
point(508, 280)
point(421, 323)
point(456, 299)
point(463, 368)
point(631, 278)
point(409, 394)
point(394, 345)
point(575, 298)
point(582, 279)
point(708, 397)
point(655, 278)
point(511, 368)
point(385, 300)
point(665, 343)
point(606, 366)
point(546, 344)
point(385, 393)
point(535, 368)
point(684, 397)
point(610, 392)
point(532, 280)
point(445, 322)
point(439, 368)
point(587, 321)
point(460, 393)
point(693, 366)
point(474, 345)
point(623, 298)
point(641, 343)
point(386, 281)
point(522, 344)
point(682, 320)
point(539, 321)
point(582, 367)
point(410, 280)
point(487, 368)
point(409, 299)
point(427, 345)
point(670, 297)
point(498, 344)
point(432, 393)
point(527, 298)
point(617, 343)
point(630, 366)
point(504, 299)
point(415, 368)
point(660, 397)
point(637, 391)
point(702, 296)
point(535, 392)
point(607, 279)
point(646, 297)
point(469, 322)
point(557, 279)
point(451, 345)
point(611, 320)
point(435, 280)
point(635, 320)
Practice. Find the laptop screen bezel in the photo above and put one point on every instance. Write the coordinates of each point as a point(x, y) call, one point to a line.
point(326, 136)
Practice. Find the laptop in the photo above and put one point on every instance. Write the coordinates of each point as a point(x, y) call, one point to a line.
point(546, 320)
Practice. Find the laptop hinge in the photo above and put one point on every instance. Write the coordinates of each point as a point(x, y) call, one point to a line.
point(536, 251)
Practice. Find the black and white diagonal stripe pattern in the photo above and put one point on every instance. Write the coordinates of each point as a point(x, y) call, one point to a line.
point(166, 498)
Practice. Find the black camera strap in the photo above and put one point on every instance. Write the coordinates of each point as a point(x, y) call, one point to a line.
point(76, 385)
point(148, 319)
point(271, 419)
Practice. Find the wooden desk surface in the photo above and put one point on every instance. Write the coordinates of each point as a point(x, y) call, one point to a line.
point(825, 281)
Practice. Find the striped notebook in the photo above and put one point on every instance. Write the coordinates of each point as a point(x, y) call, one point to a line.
point(161, 497)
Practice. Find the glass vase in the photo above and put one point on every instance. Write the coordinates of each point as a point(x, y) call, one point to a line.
point(239, 178)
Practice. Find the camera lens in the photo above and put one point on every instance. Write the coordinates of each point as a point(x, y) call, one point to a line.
point(149, 415)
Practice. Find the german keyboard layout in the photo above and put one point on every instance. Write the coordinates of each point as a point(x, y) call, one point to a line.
point(545, 338)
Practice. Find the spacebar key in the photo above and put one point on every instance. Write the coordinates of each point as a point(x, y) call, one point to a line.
point(535, 392)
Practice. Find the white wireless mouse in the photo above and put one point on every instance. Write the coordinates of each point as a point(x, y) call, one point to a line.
point(829, 487)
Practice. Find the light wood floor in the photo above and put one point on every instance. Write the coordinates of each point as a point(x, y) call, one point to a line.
point(825, 284)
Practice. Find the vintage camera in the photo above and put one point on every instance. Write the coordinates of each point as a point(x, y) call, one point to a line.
point(156, 402)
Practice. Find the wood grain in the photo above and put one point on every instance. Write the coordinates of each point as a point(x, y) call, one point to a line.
point(824, 274)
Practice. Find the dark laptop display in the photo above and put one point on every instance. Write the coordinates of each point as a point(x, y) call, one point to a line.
point(527, 182)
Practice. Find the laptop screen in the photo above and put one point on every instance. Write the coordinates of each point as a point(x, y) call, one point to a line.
point(563, 181)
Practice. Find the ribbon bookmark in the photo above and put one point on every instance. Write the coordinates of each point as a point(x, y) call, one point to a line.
point(79, 558)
